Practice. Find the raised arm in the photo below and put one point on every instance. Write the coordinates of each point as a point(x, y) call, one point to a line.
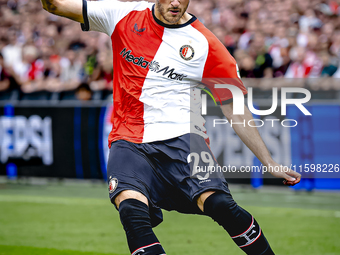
point(72, 9)
point(251, 137)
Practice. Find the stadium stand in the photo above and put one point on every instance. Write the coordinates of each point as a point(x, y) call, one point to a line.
point(44, 57)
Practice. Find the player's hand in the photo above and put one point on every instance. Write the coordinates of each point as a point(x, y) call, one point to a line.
point(290, 177)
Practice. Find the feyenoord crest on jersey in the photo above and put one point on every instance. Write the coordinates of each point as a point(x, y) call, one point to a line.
point(113, 185)
point(187, 52)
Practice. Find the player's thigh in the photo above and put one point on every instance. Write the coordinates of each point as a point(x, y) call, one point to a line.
point(130, 175)
point(130, 194)
point(206, 176)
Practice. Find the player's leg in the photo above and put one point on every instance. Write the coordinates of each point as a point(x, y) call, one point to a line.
point(241, 226)
point(135, 218)
point(130, 182)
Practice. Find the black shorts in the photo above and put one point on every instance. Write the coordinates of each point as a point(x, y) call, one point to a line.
point(167, 172)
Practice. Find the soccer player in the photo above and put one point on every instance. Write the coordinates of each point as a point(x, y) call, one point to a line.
point(161, 55)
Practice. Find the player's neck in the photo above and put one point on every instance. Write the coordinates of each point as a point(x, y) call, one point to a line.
point(184, 19)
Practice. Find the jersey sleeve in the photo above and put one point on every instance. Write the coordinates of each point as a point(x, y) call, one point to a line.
point(103, 16)
point(220, 68)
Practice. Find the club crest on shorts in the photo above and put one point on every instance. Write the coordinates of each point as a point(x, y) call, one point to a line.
point(187, 52)
point(113, 183)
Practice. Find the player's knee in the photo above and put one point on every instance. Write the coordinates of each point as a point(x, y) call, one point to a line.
point(130, 194)
point(220, 205)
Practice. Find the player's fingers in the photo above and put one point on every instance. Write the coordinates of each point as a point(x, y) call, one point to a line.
point(296, 176)
point(285, 182)
point(291, 183)
point(291, 178)
point(288, 183)
point(298, 179)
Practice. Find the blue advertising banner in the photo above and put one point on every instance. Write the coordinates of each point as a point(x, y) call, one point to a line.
point(315, 144)
point(71, 142)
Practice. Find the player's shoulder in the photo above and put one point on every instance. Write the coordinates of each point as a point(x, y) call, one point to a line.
point(211, 38)
point(215, 45)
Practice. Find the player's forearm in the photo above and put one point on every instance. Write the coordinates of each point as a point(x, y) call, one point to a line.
point(249, 135)
point(71, 9)
point(49, 5)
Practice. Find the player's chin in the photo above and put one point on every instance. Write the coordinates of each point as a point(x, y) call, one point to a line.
point(173, 19)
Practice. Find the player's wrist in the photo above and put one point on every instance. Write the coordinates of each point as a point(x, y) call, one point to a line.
point(269, 163)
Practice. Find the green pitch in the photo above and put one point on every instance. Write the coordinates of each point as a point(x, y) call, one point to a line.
point(77, 219)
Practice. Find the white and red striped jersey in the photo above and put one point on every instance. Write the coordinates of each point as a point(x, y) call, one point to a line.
point(158, 69)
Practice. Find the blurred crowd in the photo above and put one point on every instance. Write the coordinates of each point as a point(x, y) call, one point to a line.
point(277, 38)
point(43, 52)
point(268, 38)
